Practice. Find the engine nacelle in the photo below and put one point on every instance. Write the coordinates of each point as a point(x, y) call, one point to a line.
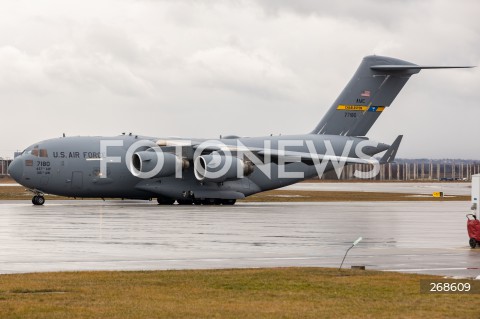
point(146, 162)
point(219, 168)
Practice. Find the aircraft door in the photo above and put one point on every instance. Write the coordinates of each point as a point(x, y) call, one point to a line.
point(77, 180)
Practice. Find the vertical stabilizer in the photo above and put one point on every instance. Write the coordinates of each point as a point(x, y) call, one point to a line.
point(372, 89)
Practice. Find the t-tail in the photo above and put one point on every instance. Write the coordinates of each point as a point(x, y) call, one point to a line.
point(372, 89)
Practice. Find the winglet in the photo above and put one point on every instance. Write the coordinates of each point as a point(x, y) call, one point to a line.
point(392, 151)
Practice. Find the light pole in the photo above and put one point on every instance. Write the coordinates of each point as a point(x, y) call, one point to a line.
point(359, 239)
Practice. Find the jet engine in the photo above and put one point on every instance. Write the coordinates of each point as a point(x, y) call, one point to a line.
point(219, 168)
point(146, 162)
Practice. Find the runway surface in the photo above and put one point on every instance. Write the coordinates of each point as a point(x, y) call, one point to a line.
point(417, 237)
point(449, 188)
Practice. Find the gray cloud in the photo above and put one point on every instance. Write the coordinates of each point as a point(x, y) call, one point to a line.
point(243, 72)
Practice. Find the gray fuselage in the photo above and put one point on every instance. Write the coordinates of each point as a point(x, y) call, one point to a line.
point(70, 166)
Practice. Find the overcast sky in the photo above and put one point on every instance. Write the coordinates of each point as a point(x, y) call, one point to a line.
point(204, 68)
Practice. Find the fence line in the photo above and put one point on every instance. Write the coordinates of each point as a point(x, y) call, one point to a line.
point(4, 166)
point(413, 171)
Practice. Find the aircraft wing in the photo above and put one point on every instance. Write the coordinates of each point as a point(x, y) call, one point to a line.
point(287, 156)
point(281, 155)
point(310, 158)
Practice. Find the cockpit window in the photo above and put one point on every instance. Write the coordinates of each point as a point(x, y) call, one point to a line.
point(38, 152)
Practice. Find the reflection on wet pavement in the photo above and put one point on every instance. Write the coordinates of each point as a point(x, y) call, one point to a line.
point(422, 237)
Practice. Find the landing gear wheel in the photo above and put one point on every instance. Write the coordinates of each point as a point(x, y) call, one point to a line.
point(472, 242)
point(228, 201)
point(38, 200)
point(165, 201)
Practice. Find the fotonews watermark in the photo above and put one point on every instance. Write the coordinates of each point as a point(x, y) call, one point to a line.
point(216, 161)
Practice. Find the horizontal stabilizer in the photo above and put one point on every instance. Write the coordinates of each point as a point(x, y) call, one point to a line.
point(392, 67)
point(390, 154)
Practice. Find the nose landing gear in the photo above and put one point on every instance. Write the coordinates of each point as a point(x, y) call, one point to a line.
point(38, 200)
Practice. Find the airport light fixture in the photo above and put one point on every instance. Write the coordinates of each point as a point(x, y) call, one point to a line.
point(359, 239)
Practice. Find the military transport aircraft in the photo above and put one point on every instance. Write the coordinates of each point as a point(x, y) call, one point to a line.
point(220, 171)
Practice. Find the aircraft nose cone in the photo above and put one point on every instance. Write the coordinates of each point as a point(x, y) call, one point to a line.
point(15, 169)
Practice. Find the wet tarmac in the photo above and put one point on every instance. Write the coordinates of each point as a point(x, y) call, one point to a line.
point(417, 237)
point(427, 188)
point(424, 188)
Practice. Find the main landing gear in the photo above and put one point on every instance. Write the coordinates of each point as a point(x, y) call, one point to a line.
point(188, 201)
point(165, 201)
point(38, 200)
point(214, 201)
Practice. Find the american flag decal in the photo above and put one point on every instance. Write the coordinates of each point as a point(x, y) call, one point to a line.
point(365, 93)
